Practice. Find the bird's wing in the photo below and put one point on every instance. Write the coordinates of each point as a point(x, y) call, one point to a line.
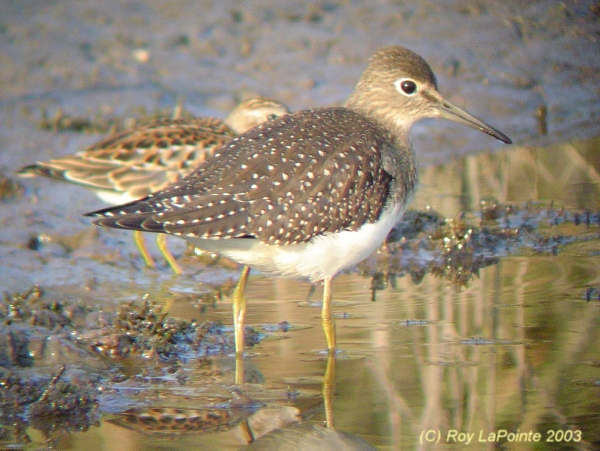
point(309, 173)
point(140, 160)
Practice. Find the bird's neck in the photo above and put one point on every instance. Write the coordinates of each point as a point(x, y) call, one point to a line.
point(377, 108)
point(399, 158)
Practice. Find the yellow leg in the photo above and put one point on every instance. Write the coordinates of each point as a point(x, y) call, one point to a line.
point(238, 302)
point(161, 242)
point(138, 238)
point(328, 389)
point(327, 317)
point(329, 329)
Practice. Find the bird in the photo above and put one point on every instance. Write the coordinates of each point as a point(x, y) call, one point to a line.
point(135, 162)
point(311, 193)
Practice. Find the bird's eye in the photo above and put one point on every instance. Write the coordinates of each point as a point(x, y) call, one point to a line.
point(406, 86)
point(272, 116)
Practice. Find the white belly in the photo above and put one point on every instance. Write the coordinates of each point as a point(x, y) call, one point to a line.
point(321, 258)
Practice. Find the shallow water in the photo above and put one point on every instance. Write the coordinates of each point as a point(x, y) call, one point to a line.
point(425, 365)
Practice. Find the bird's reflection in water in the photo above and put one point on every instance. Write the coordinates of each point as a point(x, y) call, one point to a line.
point(305, 435)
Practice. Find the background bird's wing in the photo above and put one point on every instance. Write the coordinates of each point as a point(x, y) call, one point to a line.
point(140, 160)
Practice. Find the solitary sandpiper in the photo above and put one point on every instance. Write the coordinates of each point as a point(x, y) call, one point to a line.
point(134, 163)
point(311, 193)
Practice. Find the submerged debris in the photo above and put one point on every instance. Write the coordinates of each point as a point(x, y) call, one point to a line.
point(34, 341)
point(39, 334)
point(456, 249)
point(29, 307)
point(63, 404)
point(141, 328)
point(66, 404)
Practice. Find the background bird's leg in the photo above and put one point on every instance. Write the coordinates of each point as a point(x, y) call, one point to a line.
point(239, 313)
point(138, 238)
point(161, 242)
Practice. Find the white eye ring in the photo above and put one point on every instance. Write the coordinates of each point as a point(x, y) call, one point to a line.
point(406, 86)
